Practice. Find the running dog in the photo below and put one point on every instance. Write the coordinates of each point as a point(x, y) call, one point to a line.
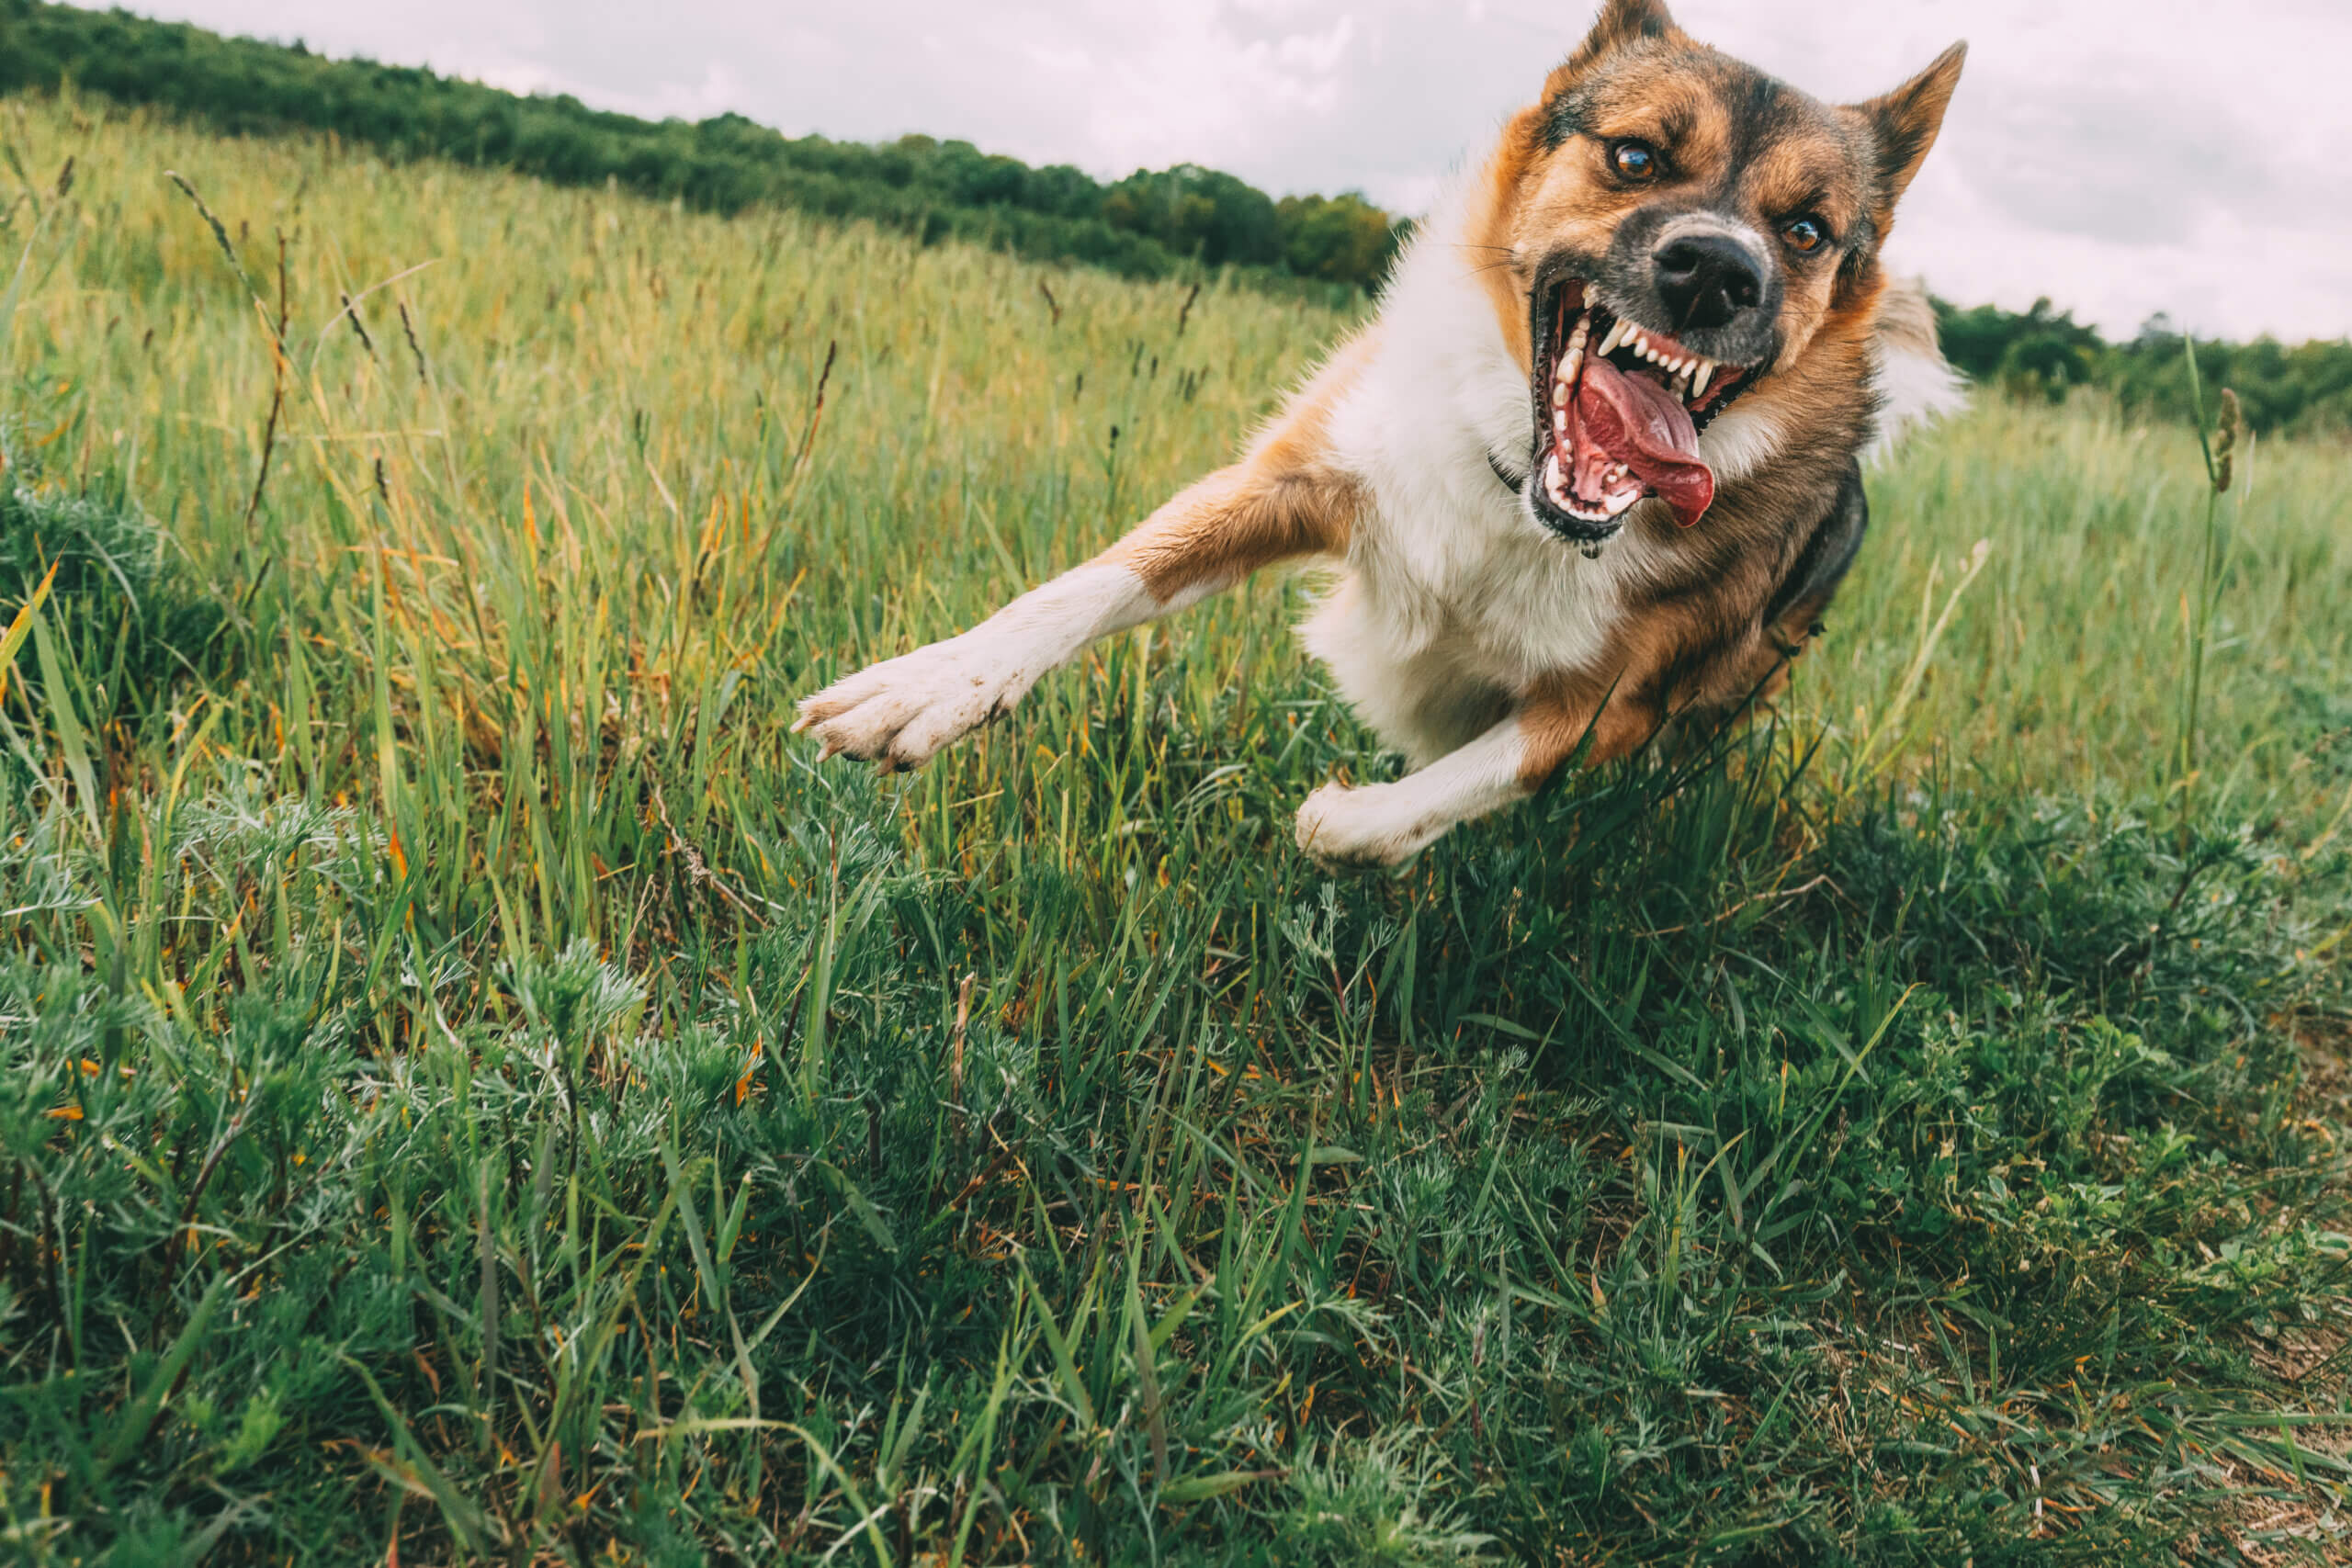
point(1593, 467)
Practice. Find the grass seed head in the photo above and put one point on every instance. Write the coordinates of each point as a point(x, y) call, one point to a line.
point(2225, 438)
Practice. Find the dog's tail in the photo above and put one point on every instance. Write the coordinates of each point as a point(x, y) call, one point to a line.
point(1916, 386)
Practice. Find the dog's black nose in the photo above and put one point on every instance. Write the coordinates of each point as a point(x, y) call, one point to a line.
point(1706, 280)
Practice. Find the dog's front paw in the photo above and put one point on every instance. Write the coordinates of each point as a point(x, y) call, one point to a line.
point(1357, 827)
point(904, 711)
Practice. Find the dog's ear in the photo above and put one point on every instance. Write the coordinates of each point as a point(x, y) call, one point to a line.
point(1905, 122)
point(1621, 23)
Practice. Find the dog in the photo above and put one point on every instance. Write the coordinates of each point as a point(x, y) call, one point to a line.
point(1592, 468)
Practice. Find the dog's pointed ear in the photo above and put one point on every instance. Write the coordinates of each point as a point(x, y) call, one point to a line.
point(1621, 23)
point(1904, 123)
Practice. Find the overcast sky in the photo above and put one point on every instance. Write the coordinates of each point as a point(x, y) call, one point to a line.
point(2122, 156)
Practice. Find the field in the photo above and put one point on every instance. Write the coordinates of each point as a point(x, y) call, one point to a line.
point(476, 1090)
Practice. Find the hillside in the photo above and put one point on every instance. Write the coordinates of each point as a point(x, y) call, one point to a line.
point(1185, 222)
point(1149, 225)
point(473, 1089)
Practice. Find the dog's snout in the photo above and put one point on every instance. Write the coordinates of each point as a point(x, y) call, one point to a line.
point(1707, 280)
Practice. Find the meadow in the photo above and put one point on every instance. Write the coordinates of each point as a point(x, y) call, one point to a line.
point(473, 1089)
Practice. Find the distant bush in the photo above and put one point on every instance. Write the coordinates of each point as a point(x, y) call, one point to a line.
point(129, 611)
point(1338, 238)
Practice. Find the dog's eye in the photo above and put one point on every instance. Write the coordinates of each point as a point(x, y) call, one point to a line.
point(1634, 160)
point(1803, 234)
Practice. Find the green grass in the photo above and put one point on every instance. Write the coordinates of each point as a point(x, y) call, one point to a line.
point(476, 1090)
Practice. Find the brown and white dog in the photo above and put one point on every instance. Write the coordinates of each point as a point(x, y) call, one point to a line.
point(1652, 320)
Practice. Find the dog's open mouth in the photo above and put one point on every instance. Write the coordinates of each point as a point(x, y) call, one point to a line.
point(1621, 409)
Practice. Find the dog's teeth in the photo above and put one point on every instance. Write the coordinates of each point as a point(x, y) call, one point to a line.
point(1555, 481)
point(1642, 344)
point(1560, 392)
point(1617, 334)
point(1706, 374)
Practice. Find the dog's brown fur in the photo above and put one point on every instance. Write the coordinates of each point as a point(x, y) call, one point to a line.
point(1701, 621)
point(1283, 500)
point(1700, 641)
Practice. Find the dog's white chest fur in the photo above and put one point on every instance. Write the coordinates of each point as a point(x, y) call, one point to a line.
point(1453, 598)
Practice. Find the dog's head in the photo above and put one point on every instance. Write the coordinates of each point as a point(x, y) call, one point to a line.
point(1683, 233)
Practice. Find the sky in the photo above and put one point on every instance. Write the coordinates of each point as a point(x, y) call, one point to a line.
point(2122, 157)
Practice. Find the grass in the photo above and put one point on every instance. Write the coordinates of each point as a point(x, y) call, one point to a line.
point(475, 1090)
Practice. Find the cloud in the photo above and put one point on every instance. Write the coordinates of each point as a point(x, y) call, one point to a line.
point(2121, 156)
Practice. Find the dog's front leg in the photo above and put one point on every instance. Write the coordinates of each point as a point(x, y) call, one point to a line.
point(1282, 501)
point(1384, 824)
point(901, 712)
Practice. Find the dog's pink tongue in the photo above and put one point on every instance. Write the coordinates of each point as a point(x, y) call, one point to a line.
point(1640, 424)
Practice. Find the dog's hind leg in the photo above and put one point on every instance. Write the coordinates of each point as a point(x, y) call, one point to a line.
point(1286, 499)
point(1383, 824)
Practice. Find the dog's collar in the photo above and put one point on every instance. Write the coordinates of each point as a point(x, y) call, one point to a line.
point(1516, 486)
point(1513, 483)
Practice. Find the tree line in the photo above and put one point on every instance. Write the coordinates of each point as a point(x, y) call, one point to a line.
point(1151, 224)
point(2044, 353)
point(1154, 223)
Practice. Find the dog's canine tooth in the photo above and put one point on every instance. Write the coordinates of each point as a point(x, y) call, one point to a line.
point(1706, 374)
point(1617, 334)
